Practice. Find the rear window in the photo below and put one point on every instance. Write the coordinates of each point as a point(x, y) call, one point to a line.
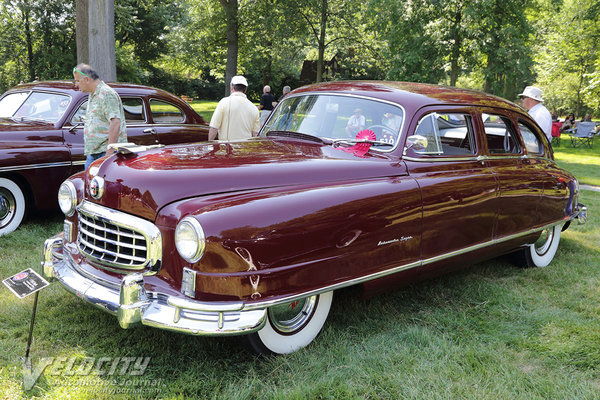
point(165, 113)
point(532, 142)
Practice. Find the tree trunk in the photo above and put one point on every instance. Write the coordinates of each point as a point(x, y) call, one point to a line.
point(455, 54)
point(320, 60)
point(267, 73)
point(231, 13)
point(28, 39)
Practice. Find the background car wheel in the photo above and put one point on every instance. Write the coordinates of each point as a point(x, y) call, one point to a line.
point(293, 325)
point(12, 206)
point(541, 253)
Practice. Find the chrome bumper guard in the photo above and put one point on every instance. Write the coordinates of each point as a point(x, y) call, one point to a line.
point(581, 213)
point(133, 305)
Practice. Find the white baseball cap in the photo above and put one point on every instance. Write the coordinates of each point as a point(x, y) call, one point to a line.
point(239, 80)
point(532, 92)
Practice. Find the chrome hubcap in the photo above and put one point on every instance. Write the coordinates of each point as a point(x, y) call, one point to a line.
point(291, 317)
point(7, 207)
point(543, 243)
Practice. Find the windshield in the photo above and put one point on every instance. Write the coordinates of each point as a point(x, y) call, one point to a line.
point(38, 106)
point(337, 117)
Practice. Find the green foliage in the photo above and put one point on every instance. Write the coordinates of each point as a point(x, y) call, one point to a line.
point(37, 39)
point(568, 60)
point(498, 46)
point(145, 24)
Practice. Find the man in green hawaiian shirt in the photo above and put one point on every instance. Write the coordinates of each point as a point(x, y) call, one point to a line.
point(105, 118)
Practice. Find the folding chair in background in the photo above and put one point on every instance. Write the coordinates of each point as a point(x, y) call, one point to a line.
point(584, 135)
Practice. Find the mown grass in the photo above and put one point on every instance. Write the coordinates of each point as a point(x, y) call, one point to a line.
point(583, 162)
point(489, 331)
point(204, 107)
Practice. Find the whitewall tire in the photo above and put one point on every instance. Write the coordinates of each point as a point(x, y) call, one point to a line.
point(541, 253)
point(292, 326)
point(12, 206)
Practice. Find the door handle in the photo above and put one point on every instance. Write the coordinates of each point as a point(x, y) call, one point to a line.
point(149, 130)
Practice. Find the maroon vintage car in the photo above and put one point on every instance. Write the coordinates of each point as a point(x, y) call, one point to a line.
point(42, 138)
point(371, 183)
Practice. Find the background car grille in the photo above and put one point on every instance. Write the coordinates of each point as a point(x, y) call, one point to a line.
point(109, 243)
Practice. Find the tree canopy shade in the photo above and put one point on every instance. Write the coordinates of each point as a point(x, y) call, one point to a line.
point(193, 47)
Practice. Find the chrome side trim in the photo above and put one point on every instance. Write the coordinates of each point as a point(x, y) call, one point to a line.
point(381, 274)
point(36, 166)
point(133, 305)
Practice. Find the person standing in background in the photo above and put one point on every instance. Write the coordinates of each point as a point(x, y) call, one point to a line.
point(267, 103)
point(286, 90)
point(235, 116)
point(105, 117)
point(532, 102)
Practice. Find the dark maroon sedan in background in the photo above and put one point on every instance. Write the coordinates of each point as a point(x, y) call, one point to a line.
point(41, 126)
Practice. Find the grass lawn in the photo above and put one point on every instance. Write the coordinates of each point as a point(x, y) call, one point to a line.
point(584, 163)
point(489, 331)
point(204, 107)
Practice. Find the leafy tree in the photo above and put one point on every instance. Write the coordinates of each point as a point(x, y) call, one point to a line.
point(144, 25)
point(37, 39)
point(569, 57)
point(505, 46)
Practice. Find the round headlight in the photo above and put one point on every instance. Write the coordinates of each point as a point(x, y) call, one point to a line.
point(189, 239)
point(67, 198)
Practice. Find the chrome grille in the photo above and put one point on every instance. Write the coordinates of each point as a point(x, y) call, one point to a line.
point(117, 239)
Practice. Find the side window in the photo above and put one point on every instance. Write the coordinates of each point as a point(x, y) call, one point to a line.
point(79, 116)
point(500, 136)
point(165, 113)
point(448, 134)
point(134, 110)
point(532, 142)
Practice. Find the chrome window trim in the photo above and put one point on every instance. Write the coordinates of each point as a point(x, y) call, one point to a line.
point(477, 158)
point(380, 274)
point(145, 228)
point(440, 159)
point(400, 106)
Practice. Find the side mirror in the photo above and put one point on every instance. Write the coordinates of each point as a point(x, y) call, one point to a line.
point(415, 143)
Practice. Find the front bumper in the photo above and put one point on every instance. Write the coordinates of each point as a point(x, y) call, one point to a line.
point(133, 305)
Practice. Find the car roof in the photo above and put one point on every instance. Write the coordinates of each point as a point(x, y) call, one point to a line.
point(68, 86)
point(416, 95)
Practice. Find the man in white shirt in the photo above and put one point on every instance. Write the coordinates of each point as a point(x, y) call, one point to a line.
point(235, 116)
point(532, 102)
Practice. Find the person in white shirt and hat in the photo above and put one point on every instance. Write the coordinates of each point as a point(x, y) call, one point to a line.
point(235, 117)
point(532, 102)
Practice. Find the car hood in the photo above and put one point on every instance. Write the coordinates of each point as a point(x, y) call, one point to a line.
point(143, 183)
point(8, 124)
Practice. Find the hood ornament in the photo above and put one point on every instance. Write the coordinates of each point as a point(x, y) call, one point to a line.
point(132, 148)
